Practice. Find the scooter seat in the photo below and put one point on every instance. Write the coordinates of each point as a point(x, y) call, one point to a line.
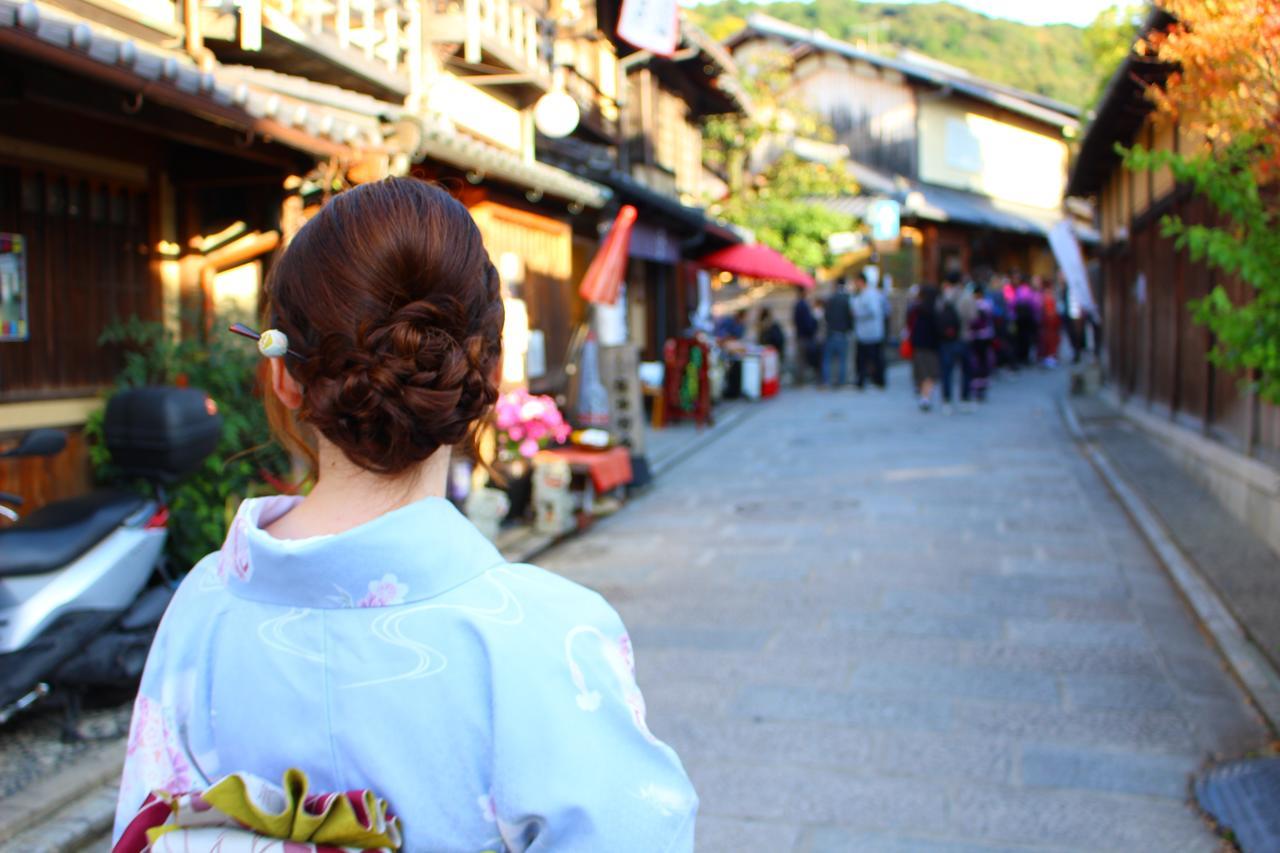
point(57, 533)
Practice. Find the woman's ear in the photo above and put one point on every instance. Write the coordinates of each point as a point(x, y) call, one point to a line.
point(286, 388)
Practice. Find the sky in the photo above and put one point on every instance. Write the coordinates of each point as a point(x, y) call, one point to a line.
point(1078, 12)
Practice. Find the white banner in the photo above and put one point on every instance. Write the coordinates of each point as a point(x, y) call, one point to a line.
point(651, 25)
point(1066, 249)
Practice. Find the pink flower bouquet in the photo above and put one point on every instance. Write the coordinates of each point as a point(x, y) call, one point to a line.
point(527, 424)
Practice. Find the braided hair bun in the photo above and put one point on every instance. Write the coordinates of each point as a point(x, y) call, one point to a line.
point(390, 299)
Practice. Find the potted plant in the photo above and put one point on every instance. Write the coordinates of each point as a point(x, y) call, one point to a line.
point(525, 424)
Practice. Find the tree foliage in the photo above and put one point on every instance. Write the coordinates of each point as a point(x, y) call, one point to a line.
point(1225, 91)
point(201, 506)
point(1109, 39)
point(1051, 61)
point(778, 201)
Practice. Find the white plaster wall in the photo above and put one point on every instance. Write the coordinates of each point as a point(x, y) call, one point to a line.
point(962, 149)
point(830, 85)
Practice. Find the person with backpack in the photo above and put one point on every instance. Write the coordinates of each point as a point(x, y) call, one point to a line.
point(954, 310)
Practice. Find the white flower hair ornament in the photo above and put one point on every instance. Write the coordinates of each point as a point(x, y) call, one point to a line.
point(272, 343)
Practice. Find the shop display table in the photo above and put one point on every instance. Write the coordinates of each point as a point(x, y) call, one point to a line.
point(607, 469)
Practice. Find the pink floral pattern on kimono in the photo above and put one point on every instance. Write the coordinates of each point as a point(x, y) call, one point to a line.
point(624, 646)
point(385, 592)
point(157, 758)
point(233, 559)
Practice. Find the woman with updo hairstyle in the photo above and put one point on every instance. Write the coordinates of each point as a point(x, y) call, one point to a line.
point(367, 633)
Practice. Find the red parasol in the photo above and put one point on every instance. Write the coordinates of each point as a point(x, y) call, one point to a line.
point(757, 260)
point(603, 281)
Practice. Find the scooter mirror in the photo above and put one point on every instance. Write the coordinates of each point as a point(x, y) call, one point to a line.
point(39, 442)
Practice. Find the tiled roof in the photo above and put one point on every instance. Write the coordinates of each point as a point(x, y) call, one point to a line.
point(316, 118)
point(1029, 104)
point(935, 203)
point(172, 77)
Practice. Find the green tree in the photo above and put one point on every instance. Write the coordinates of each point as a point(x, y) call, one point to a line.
point(1224, 88)
point(1048, 60)
point(1109, 39)
point(780, 203)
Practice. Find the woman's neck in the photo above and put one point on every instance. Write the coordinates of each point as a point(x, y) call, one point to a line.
point(346, 496)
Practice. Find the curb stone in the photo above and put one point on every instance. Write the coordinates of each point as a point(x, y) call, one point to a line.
point(82, 825)
point(1259, 679)
point(736, 418)
point(44, 800)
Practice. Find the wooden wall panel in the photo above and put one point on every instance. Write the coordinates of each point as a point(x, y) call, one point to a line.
point(88, 264)
point(39, 481)
point(1163, 296)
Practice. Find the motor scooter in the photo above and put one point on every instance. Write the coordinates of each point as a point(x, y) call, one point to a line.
point(82, 580)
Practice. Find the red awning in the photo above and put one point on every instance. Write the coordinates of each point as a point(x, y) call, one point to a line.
point(603, 281)
point(756, 260)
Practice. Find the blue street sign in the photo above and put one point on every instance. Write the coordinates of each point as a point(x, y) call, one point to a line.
point(884, 215)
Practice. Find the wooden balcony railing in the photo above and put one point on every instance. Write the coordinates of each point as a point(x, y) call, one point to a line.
point(506, 31)
point(371, 45)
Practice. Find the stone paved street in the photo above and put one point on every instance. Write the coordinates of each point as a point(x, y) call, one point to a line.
point(868, 629)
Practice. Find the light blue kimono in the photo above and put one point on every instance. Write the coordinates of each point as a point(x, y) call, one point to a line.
point(492, 705)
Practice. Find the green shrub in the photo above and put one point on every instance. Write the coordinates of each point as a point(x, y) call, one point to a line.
point(202, 505)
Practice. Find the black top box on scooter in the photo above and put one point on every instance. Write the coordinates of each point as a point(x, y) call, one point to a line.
point(161, 433)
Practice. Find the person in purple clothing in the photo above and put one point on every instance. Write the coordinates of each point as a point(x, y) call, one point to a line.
point(982, 334)
point(1026, 312)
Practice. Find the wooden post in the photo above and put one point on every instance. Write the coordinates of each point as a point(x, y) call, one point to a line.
point(1251, 415)
point(471, 47)
point(413, 55)
point(391, 37)
point(343, 23)
point(368, 21)
point(502, 23)
point(1179, 305)
point(250, 25)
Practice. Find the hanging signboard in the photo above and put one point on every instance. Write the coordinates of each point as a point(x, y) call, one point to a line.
point(1066, 250)
point(884, 215)
point(13, 288)
point(651, 25)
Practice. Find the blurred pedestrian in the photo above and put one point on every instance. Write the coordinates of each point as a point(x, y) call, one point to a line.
point(770, 333)
point(1027, 306)
point(1050, 324)
point(1001, 309)
point(982, 334)
point(955, 311)
point(808, 355)
point(837, 314)
point(868, 332)
point(926, 339)
point(732, 327)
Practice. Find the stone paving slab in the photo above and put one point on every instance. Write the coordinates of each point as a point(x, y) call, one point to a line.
point(864, 628)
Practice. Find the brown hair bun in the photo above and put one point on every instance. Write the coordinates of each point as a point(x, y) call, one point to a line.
point(390, 298)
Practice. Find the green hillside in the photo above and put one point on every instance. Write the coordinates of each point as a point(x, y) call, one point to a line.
point(1052, 60)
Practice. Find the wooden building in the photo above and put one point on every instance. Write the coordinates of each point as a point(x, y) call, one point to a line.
point(1156, 354)
point(167, 149)
point(977, 168)
point(645, 144)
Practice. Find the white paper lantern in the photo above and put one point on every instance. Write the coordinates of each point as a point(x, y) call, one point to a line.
point(556, 114)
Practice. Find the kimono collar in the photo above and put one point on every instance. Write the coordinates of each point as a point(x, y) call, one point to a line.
point(410, 554)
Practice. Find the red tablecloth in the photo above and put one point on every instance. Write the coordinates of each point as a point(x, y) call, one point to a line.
point(608, 468)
